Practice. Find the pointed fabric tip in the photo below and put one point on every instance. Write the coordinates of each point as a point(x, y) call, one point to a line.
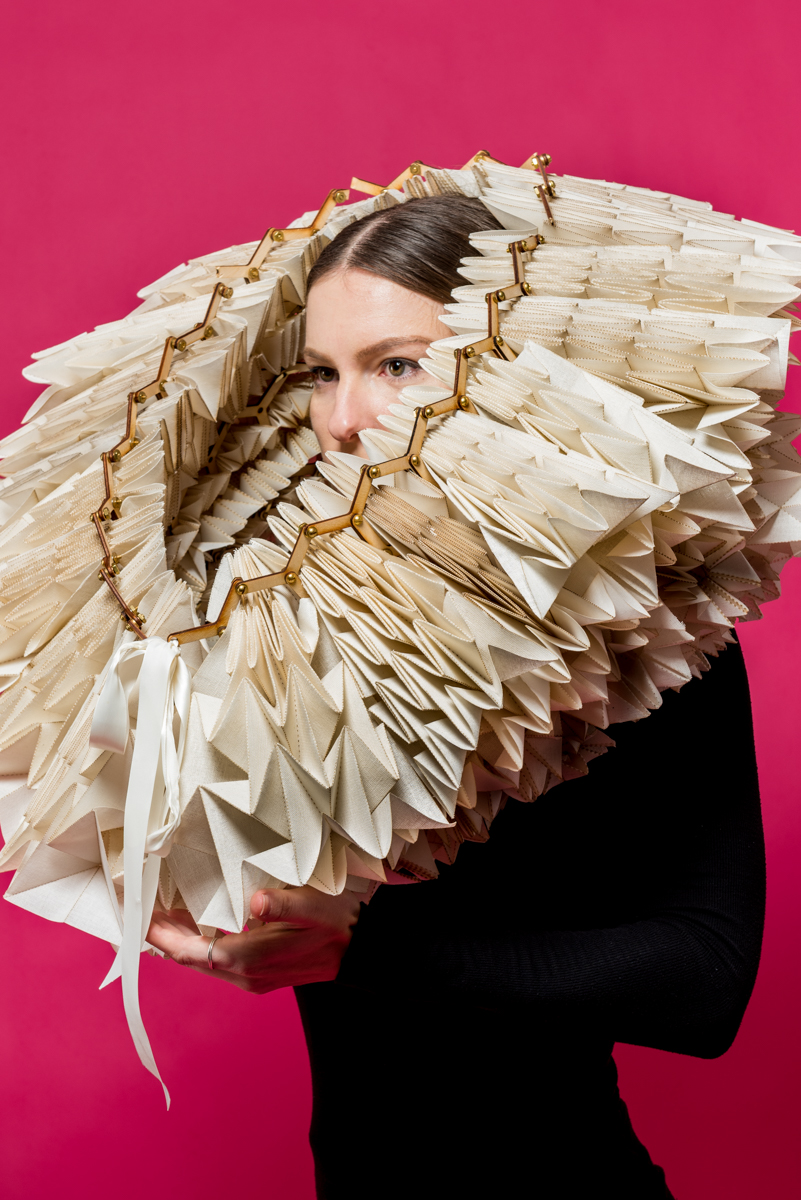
point(591, 525)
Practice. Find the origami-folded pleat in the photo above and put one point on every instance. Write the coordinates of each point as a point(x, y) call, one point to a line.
point(618, 493)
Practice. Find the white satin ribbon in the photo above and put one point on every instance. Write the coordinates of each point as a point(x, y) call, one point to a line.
point(152, 812)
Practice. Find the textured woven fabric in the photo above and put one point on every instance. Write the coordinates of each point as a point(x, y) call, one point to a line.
point(580, 535)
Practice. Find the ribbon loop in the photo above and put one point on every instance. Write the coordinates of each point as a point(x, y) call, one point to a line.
point(152, 805)
point(111, 721)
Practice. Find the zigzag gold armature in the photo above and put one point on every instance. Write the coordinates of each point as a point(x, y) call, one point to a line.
point(107, 511)
point(479, 156)
point(539, 162)
point(256, 413)
point(250, 270)
point(375, 189)
point(411, 460)
point(535, 162)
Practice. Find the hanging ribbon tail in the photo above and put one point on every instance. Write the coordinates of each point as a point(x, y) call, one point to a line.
point(152, 812)
point(150, 885)
point(111, 723)
point(130, 952)
point(115, 970)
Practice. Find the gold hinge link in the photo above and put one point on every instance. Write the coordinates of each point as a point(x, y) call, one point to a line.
point(354, 518)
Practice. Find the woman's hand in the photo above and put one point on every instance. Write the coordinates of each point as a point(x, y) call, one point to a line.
point(295, 935)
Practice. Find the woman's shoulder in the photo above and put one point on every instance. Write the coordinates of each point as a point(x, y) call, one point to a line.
point(709, 713)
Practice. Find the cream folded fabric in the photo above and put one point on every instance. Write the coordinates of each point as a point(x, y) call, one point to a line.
point(624, 491)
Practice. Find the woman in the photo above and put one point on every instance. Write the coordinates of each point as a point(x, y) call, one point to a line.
point(623, 906)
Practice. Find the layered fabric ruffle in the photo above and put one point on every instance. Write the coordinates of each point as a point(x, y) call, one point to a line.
point(621, 490)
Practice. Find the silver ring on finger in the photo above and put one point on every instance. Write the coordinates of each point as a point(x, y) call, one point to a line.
point(211, 949)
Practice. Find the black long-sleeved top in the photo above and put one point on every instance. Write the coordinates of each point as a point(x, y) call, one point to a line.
point(465, 1047)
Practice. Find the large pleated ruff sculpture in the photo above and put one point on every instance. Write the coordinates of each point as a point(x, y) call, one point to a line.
point(230, 665)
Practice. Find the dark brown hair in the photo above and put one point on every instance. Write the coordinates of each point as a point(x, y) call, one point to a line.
point(417, 244)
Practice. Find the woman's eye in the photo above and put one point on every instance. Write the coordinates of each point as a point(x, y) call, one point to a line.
point(397, 367)
point(324, 374)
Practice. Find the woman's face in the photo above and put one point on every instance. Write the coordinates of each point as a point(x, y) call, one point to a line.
point(364, 337)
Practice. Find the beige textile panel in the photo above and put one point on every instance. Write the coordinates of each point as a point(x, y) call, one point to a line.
point(621, 491)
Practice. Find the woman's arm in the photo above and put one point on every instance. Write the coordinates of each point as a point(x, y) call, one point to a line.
point(630, 901)
point(660, 939)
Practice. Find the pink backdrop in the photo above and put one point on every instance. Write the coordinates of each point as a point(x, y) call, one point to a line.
point(138, 135)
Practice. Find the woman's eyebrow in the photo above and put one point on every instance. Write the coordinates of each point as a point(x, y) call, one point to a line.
point(383, 347)
point(315, 354)
point(393, 343)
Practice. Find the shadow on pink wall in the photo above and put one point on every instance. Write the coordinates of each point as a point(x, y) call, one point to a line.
point(141, 137)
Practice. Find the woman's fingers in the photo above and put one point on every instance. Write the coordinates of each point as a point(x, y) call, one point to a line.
point(181, 940)
point(297, 935)
point(168, 932)
point(179, 919)
point(303, 906)
point(276, 904)
point(184, 944)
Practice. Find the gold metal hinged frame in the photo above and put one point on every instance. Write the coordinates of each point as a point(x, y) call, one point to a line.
point(256, 412)
point(371, 472)
point(109, 506)
point(108, 509)
point(546, 189)
point(375, 189)
point(418, 168)
point(251, 270)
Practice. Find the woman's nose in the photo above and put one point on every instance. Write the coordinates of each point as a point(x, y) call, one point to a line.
point(352, 410)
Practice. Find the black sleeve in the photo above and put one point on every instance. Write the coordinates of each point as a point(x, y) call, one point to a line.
point(629, 902)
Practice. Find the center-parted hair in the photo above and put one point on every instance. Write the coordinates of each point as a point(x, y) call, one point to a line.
point(418, 244)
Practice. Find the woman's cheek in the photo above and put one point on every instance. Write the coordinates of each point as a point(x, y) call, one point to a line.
point(385, 395)
point(318, 415)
